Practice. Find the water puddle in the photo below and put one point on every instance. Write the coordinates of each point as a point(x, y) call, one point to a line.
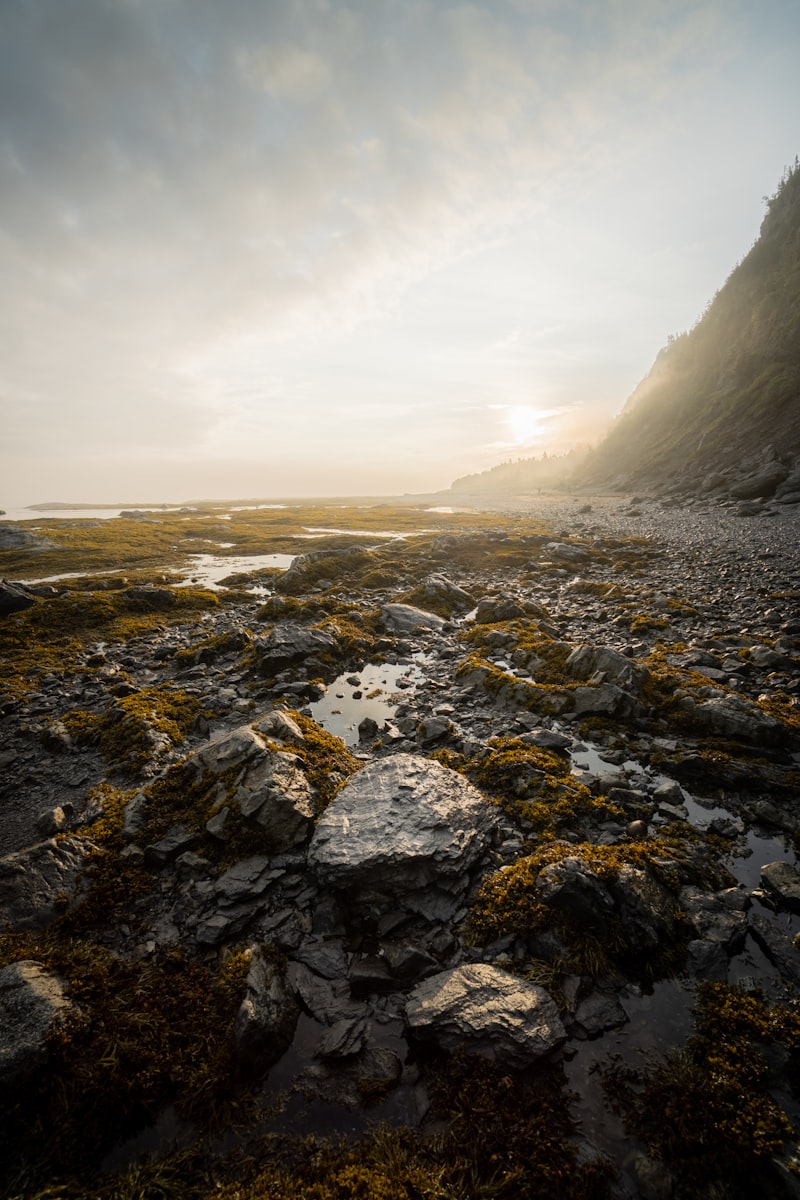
point(209, 569)
point(375, 692)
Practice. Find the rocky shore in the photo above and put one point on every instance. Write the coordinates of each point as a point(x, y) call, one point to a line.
point(475, 845)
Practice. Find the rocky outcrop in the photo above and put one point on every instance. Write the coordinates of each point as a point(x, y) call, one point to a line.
point(14, 597)
point(39, 883)
point(486, 1011)
point(33, 1005)
point(405, 618)
point(288, 644)
point(404, 831)
point(266, 1020)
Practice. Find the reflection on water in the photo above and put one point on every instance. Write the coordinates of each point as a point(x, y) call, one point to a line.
point(369, 692)
point(209, 569)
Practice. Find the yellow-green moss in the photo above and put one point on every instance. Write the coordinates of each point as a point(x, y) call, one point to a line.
point(124, 732)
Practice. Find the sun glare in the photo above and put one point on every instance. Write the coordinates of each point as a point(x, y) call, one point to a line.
point(524, 423)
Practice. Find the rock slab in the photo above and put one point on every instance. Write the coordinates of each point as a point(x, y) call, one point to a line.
point(486, 1011)
point(32, 1006)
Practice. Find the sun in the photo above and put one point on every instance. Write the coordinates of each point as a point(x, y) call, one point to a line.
point(524, 422)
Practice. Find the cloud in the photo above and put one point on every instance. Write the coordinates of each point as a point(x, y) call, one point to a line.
point(213, 213)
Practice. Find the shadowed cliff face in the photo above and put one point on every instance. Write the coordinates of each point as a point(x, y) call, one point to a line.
point(726, 395)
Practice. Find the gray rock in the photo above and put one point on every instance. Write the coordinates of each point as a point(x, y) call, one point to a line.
point(288, 645)
point(599, 1012)
point(343, 1039)
point(14, 597)
point(714, 920)
point(246, 880)
point(645, 906)
point(328, 1001)
point(266, 1020)
point(232, 749)
point(432, 729)
point(36, 884)
point(491, 609)
point(276, 795)
point(171, 846)
point(281, 726)
point(486, 1011)
point(737, 718)
point(51, 822)
point(707, 960)
point(566, 552)
point(604, 700)
point(404, 618)
point(777, 947)
point(441, 591)
point(782, 881)
point(585, 662)
point(761, 485)
point(33, 1005)
point(401, 829)
point(571, 888)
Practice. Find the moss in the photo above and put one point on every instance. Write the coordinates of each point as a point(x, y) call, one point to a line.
point(145, 1034)
point(130, 730)
point(327, 762)
point(706, 1110)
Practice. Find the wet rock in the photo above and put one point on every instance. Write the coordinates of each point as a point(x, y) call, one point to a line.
point(327, 1001)
point(279, 725)
point(402, 831)
point(486, 1011)
point(587, 662)
point(782, 881)
point(599, 1012)
point(229, 750)
point(491, 609)
point(404, 619)
point(713, 920)
point(443, 593)
point(433, 729)
point(777, 947)
point(737, 718)
point(566, 552)
point(707, 960)
point(605, 700)
point(173, 844)
point(266, 1020)
point(572, 888)
point(33, 1005)
point(14, 597)
point(343, 1039)
point(289, 645)
point(277, 797)
point(645, 906)
point(40, 882)
point(370, 973)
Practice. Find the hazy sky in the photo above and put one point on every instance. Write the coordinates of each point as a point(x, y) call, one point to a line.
point(266, 247)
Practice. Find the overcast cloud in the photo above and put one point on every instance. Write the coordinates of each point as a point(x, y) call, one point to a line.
point(260, 248)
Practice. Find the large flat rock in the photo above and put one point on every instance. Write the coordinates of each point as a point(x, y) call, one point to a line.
point(403, 825)
point(486, 1011)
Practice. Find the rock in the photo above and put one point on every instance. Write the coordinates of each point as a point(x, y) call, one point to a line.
point(605, 700)
point(761, 485)
point(33, 1005)
point(645, 907)
point(266, 1020)
point(370, 973)
point(173, 844)
point(246, 881)
point(404, 619)
point(486, 1011)
point(443, 593)
point(737, 718)
point(782, 881)
point(51, 822)
point(586, 662)
point(566, 552)
point(713, 920)
point(328, 1001)
point(37, 884)
point(491, 609)
point(148, 597)
point(289, 645)
point(14, 597)
point(230, 750)
point(599, 1012)
point(546, 739)
point(367, 729)
point(402, 830)
point(281, 726)
point(343, 1039)
point(276, 796)
point(707, 960)
point(777, 947)
point(433, 729)
point(571, 888)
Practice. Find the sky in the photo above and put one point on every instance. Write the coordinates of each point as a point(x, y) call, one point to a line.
point(275, 248)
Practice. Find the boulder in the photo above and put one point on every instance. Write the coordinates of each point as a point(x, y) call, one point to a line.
point(276, 796)
point(572, 888)
point(404, 619)
point(404, 831)
point(439, 590)
point(645, 906)
point(33, 1005)
point(38, 883)
point(761, 485)
point(604, 700)
point(491, 609)
point(713, 920)
point(266, 1020)
point(289, 644)
point(14, 597)
point(782, 881)
point(486, 1011)
point(739, 719)
point(608, 666)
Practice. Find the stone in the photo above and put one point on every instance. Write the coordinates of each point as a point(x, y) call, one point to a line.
point(587, 661)
point(276, 795)
point(33, 1005)
point(491, 609)
point(711, 918)
point(230, 750)
point(51, 822)
point(486, 1011)
point(782, 881)
point(14, 597)
point(171, 846)
point(266, 1020)
point(761, 485)
point(606, 699)
point(441, 591)
point(405, 618)
point(570, 887)
point(599, 1012)
point(645, 907)
point(288, 645)
point(279, 725)
point(38, 883)
point(246, 880)
point(402, 830)
point(343, 1039)
point(328, 1001)
point(433, 729)
point(737, 718)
